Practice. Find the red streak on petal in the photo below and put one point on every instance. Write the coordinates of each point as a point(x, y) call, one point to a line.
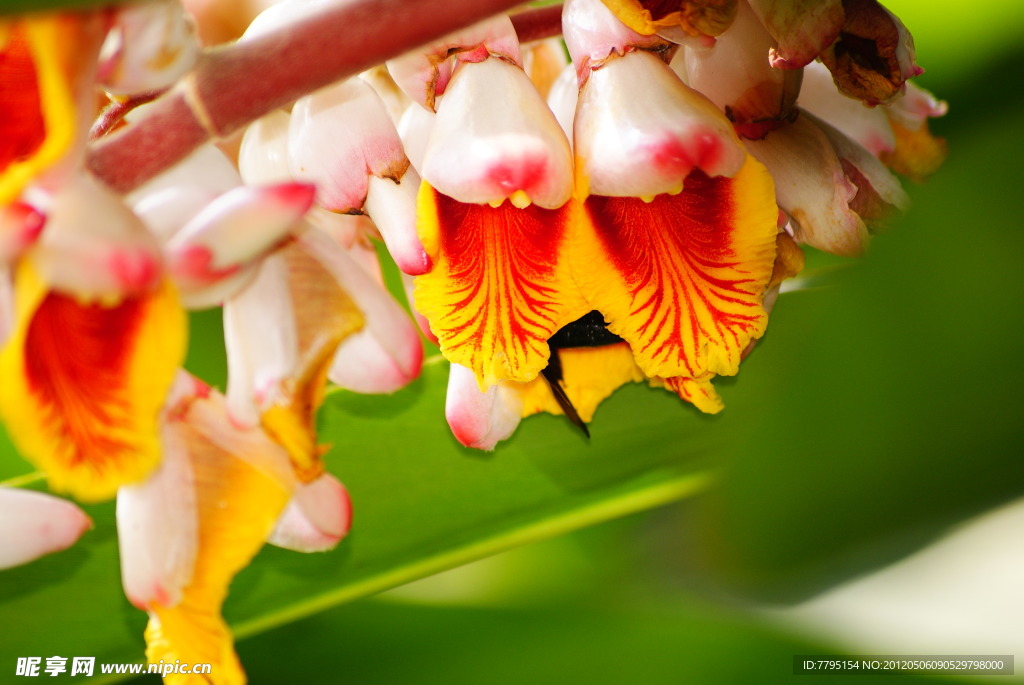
point(195, 263)
point(498, 292)
point(135, 270)
point(77, 361)
point(675, 256)
point(21, 119)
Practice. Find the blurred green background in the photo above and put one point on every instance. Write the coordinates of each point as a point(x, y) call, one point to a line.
point(881, 410)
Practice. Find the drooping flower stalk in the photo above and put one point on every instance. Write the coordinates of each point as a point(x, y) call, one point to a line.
point(219, 97)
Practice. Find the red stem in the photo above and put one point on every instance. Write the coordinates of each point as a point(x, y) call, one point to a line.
point(538, 24)
point(237, 84)
point(117, 110)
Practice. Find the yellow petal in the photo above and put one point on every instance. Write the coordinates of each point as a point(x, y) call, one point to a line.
point(500, 286)
point(918, 153)
point(39, 58)
point(83, 384)
point(589, 376)
point(238, 504)
point(695, 17)
point(324, 316)
point(700, 393)
point(680, 278)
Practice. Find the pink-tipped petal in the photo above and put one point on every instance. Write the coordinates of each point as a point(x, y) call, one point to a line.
point(592, 33)
point(494, 137)
point(318, 516)
point(423, 74)
point(392, 206)
point(151, 45)
point(386, 354)
point(639, 131)
point(94, 246)
point(480, 419)
point(158, 525)
point(812, 187)
point(869, 126)
point(33, 524)
point(261, 349)
point(872, 178)
point(263, 155)
point(915, 106)
point(340, 164)
point(238, 227)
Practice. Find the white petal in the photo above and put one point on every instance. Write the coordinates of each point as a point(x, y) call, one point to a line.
point(414, 129)
point(263, 155)
point(592, 32)
point(392, 206)
point(262, 348)
point(480, 419)
point(734, 72)
point(812, 188)
point(216, 293)
point(385, 87)
point(346, 229)
point(158, 527)
point(340, 164)
point(387, 353)
point(882, 181)
point(424, 73)
point(93, 246)
point(236, 228)
point(562, 99)
point(207, 168)
point(151, 45)
point(494, 136)
point(869, 126)
point(167, 210)
point(915, 106)
point(318, 516)
point(33, 524)
point(639, 130)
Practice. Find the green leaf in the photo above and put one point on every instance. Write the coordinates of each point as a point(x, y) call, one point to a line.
point(422, 504)
point(891, 399)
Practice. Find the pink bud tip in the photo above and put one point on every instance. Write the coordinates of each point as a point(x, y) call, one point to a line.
point(299, 195)
point(134, 269)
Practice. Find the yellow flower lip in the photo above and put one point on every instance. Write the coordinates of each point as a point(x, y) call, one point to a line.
point(84, 383)
point(36, 100)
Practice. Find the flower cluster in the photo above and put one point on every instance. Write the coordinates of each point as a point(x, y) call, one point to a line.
point(567, 217)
